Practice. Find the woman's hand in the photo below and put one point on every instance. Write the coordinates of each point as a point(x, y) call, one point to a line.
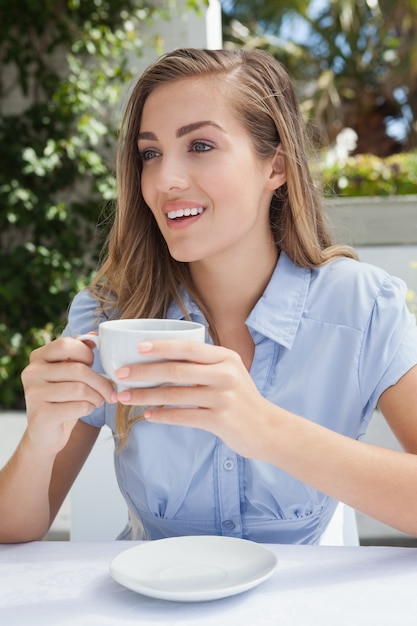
point(211, 389)
point(60, 387)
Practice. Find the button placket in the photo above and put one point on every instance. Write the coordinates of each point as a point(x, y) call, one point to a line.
point(229, 492)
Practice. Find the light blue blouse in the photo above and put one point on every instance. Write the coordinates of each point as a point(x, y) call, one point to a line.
point(328, 342)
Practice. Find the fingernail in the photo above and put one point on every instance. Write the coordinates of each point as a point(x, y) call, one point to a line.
point(124, 396)
point(122, 372)
point(145, 346)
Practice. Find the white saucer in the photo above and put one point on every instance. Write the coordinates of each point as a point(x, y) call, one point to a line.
point(192, 569)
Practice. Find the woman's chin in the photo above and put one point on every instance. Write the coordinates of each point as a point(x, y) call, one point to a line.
point(185, 256)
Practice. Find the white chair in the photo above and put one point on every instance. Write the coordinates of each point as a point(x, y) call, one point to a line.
point(342, 529)
point(98, 511)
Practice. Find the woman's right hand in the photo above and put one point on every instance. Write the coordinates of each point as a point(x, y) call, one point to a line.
point(60, 387)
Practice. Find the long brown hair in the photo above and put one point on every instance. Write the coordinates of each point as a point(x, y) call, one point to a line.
point(138, 277)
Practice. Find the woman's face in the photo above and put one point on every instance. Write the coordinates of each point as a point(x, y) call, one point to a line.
point(207, 189)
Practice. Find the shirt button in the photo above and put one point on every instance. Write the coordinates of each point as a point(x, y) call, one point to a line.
point(228, 525)
point(228, 465)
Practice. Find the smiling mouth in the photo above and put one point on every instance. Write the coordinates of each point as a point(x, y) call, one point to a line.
point(174, 215)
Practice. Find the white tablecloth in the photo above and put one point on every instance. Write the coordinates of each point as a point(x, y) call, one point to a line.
point(68, 583)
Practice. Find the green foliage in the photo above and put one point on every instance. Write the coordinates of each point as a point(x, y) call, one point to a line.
point(63, 66)
point(368, 175)
point(352, 60)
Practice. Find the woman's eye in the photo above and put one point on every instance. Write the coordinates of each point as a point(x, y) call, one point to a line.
point(148, 155)
point(201, 146)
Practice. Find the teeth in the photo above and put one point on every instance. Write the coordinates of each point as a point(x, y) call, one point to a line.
point(172, 215)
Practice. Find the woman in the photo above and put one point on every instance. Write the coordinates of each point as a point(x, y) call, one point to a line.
point(259, 436)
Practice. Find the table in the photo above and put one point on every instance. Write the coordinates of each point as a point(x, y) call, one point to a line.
point(68, 583)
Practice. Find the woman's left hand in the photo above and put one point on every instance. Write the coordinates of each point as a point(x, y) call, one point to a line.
point(211, 389)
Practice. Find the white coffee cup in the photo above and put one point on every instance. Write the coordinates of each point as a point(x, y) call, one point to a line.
point(117, 342)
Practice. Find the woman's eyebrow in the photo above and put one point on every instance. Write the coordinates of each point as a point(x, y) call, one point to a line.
point(189, 128)
point(184, 130)
point(147, 135)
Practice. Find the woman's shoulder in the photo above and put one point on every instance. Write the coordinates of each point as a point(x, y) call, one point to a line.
point(348, 290)
point(83, 314)
point(351, 275)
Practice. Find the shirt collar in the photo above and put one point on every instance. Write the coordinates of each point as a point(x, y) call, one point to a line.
point(175, 313)
point(277, 313)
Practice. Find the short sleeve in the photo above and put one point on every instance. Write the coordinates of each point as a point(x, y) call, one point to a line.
point(83, 318)
point(389, 347)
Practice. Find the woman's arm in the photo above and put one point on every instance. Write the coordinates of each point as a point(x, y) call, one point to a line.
point(60, 387)
point(33, 485)
point(379, 482)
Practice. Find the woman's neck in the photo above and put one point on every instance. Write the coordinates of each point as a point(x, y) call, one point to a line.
point(230, 289)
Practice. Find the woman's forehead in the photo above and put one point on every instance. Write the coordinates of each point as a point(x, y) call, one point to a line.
point(197, 85)
point(205, 96)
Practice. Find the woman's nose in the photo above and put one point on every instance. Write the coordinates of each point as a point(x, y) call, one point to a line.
point(171, 175)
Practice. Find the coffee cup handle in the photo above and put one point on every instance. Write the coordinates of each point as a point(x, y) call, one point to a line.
point(93, 337)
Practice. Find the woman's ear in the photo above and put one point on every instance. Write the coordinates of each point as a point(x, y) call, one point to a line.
point(278, 175)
